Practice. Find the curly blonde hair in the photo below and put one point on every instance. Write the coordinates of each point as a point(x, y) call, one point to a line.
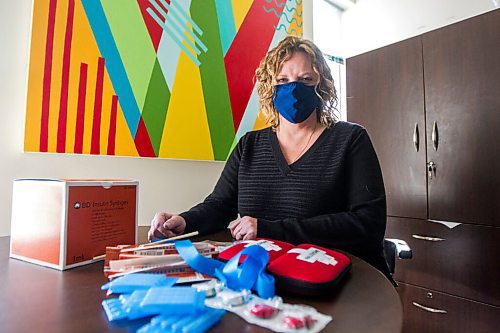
point(270, 66)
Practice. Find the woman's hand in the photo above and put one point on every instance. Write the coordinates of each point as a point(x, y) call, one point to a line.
point(166, 225)
point(244, 228)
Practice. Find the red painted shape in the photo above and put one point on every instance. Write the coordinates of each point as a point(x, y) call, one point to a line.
point(155, 31)
point(248, 48)
point(96, 123)
point(112, 126)
point(47, 77)
point(63, 102)
point(80, 109)
point(142, 141)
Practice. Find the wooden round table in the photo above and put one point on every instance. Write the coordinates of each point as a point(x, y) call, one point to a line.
point(35, 298)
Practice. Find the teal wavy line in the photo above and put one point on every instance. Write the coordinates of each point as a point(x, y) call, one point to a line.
point(283, 14)
point(294, 9)
point(281, 4)
point(293, 19)
point(271, 10)
point(298, 2)
point(290, 32)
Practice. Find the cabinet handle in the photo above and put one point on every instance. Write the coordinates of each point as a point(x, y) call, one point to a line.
point(435, 136)
point(427, 238)
point(425, 308)
point(431, 169)
point(416, 137)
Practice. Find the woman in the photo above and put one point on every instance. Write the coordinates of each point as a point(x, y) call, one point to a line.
point(308, 178)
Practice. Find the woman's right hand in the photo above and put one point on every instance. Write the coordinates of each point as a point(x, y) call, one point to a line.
point(166, 225)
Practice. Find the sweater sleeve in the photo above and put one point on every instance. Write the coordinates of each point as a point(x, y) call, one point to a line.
point(221, 206)
point(358, 229)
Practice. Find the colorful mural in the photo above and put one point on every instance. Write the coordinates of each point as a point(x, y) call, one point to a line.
point(149, 78)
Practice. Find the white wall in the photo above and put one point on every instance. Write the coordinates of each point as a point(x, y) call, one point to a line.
point(327, 29)
point(170, 185)
point(371, 24)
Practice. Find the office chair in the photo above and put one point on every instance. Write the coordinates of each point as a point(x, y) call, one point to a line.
point(395, 248)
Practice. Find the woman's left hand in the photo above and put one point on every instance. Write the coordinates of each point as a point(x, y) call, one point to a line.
point(244, 228)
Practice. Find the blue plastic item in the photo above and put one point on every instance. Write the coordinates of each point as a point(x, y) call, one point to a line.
point(149, 328)
point(197, 323)
point(180, 324)
point(132, 305)
point(204, 322)
point(159, 324)
point(251, 274)
point(165, 321)
point(173, 300)
point(139, 281)
point(114, 309)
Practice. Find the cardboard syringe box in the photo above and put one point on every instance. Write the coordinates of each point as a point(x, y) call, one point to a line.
point(64, 223)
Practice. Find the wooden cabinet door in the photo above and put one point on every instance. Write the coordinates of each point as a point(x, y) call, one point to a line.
point(462, 97)
point(429, 311)
point(385, 95)
point(461, 261)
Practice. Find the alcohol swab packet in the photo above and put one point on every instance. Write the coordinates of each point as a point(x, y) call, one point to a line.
point(140, 281)
point(173, 300)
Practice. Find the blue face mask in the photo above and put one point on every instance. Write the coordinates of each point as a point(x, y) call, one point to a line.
point(295, 101)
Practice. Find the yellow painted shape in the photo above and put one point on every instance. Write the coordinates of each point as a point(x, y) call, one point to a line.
point(186, 134)
point(240, 10)
point(294, 25)
point(107, 93)
point(260, 122)
point(55, 87)
point(124, 145)
point(83, 50)
point(35, 74)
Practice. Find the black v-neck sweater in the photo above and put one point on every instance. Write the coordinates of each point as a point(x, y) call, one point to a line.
point(332, 196)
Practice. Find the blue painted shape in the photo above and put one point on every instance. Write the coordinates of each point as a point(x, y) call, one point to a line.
point(227, 27)
point(185, 15)
point(114, 65)
point(173, 36)
point(171, 23)
point(174, 11)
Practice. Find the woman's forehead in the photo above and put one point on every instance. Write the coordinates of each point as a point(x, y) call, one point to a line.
point(297, 61)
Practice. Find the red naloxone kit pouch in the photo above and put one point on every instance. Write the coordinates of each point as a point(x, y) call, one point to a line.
point(304, 269)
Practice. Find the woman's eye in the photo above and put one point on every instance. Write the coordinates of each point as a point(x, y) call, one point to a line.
point(306, 79)
point(281, 80)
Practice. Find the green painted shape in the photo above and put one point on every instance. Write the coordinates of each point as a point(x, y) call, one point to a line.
point(233, 145)
point(133, 42)
point(155, 108)
point(213, 79)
